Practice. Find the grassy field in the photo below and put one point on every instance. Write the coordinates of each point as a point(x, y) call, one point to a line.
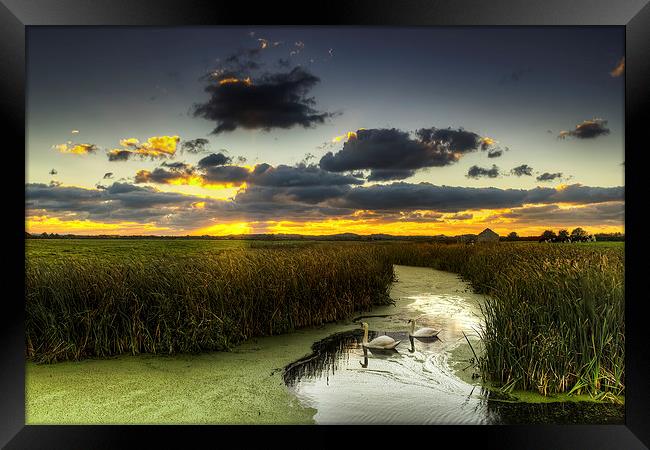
point(554, 315)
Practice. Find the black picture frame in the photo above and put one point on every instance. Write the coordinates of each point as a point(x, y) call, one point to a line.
point(16, 15)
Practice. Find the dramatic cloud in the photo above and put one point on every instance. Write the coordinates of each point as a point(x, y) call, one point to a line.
point(198, 145)
point(75, 149)
point(522, 170)
point(477, 172)
point(425, 196)
point(277, 100)
point(300, 175)
point(588, 129)
point(229, 175)
point(214, 170)
point(619, 69)
point(390, 174)
point(159, 175)
point(116, 203)
point(207, 175)
point(398, 201)
point(546, 176)
point(215, 159)
point(155, 147)
point(609, 213)
point(393, 154)
point(281, 197)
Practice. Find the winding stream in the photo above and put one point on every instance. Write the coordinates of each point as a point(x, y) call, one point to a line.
point(424, 381)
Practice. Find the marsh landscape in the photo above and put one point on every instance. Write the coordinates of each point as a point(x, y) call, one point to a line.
point(91, 327)
point(329, 225)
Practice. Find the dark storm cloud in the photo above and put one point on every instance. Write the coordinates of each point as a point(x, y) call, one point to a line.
point(158, 175)
point(588, 129)
point(495, 153)
point(394, 154)
point(101, 203)
point(611, 213)
point(546, 176)
point(198, 145)
point(522, 170)
point(108, 175)
point(300, 175)
point(177, 165)
point(278, 100)
point(456, 141)
point(576, 193)
point(127, 202)
point(225, 174)
point(283, 196)
point(390, 174)
point(214, 159)
point(477, 172)
point(406, 196)
point(213, 170)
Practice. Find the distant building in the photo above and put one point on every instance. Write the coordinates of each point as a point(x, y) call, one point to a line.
point(487, 235)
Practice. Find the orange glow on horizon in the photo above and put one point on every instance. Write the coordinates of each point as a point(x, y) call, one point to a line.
point(40, 224)
point(224, 229)
point(44, 224)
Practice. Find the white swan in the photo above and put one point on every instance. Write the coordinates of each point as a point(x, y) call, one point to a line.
point(379, 343)
point(422, 332)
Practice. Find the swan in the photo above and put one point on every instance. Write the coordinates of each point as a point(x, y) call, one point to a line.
point(379, 343)
point(422, 332)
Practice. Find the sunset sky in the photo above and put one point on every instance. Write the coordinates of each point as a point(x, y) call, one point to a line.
point(322, 130)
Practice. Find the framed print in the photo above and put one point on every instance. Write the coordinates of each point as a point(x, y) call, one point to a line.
point(370, 214)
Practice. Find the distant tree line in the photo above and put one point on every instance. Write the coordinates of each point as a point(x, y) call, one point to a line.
point(577, 235)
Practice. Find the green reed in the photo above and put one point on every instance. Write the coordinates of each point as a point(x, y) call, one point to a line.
point(554, 318)
point(87, 306)
point(554, 315)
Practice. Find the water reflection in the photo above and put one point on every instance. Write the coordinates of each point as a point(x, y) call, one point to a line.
point(326, 358)
point(411, 385)
point(415, 383)
point(334, 352)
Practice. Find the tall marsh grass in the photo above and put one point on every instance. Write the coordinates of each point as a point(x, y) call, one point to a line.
point(554, 315)
point(554, 318)
point(87, 306)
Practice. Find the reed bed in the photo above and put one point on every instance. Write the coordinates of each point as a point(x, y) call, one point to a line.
point(87, 306)
point(554, 318)
point(554, 315)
